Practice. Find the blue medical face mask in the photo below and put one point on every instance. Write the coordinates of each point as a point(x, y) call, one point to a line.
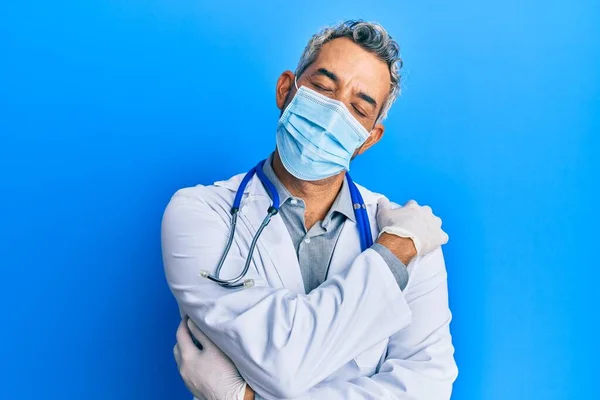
point(317, 136)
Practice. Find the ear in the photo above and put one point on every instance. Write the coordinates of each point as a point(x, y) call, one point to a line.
point(285, 84)
point(374, 137)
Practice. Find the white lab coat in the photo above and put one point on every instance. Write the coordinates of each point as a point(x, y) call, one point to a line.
point(357, 336)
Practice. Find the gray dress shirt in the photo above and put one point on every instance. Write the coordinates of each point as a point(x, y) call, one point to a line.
point(315, 247)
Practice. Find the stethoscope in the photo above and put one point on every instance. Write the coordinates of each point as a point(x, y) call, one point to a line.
point(360, 212)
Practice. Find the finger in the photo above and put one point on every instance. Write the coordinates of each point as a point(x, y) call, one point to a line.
point(394, 206)
point(199, 336)
point(181, 329)
point(428, 209)
point(383, 203)
point(411, 203)
point(177, 356)
point(184, 340)
point(445, 237)
point(437, 221)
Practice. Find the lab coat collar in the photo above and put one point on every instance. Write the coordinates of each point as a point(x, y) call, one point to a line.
point(233, 183)
point(342, 203)
point(277, 245)
point(256, 188)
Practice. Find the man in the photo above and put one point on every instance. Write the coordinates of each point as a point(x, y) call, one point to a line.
point(327, 317)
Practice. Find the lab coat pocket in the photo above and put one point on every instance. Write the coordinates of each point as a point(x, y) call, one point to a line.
point(368, 360)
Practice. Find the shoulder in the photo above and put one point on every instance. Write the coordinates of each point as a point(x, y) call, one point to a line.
point(370, 197)
point(426, 273)
point(201, 201)
point(208, 195)
point(199, 194)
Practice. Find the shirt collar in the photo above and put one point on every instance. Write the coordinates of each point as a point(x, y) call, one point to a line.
point(342, 203)
point(284, 194)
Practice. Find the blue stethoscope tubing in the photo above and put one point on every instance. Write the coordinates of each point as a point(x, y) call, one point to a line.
point(360, 212)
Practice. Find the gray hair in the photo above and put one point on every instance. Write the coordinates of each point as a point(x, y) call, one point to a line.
point(370, 36)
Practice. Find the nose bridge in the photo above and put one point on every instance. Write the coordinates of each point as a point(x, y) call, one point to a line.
point(345, 95)
point(342, 94)
point(346, 90)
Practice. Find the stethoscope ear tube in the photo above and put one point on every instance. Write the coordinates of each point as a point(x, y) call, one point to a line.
point(360, 211)
point(362, 217)
point(234, 214)
point(235, 282)
point(273, 210)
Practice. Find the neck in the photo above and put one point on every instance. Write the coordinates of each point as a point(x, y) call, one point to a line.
point(318, 195)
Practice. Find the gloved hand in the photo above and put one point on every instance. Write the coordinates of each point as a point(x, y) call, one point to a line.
point(411, 221)
point(208, 373)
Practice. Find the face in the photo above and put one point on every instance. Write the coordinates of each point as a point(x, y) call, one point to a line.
point(346, 72)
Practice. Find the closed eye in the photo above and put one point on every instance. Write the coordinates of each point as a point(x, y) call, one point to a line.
point(359, 112)
point(322, 88)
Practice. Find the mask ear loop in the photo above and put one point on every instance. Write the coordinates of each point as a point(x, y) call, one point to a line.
point(296, 82)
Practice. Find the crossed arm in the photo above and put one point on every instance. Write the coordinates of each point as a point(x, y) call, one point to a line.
point(285, 345)
point(419, 363)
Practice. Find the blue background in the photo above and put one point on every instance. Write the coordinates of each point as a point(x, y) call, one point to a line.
point(106, 108)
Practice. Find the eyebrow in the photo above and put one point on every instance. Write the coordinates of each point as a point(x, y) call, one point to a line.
point(334, 77)
point(368, 99)
point(327, 73)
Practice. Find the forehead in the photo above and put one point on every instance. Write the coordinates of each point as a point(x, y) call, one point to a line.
point(355, 66)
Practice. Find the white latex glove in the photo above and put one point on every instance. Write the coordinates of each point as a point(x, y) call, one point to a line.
point(411, 221)
point(208, 373)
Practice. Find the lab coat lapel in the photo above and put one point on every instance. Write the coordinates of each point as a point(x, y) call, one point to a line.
point(346, 249)
point(275, 240)
point(348, 244)
point(276, 243)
